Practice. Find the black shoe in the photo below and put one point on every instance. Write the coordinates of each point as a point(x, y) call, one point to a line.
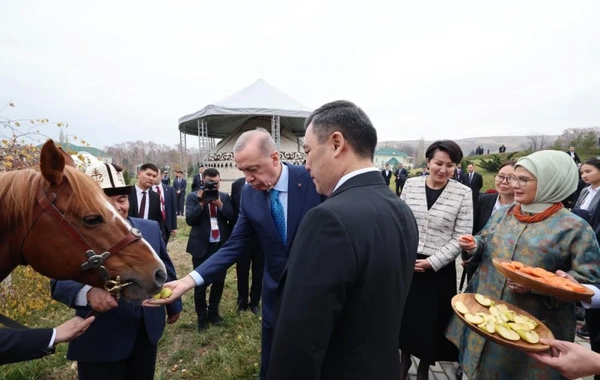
point(242, 308)
point(202, 323)
point(583, 332)
point(215, 318)
point(255, 310)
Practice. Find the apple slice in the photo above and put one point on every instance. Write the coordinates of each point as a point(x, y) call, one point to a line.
point(529, 336)
point(461, 308)
point(474, 319)
point(507, 333)
point(502, 307)
point(495, 311)
point(519, 326)
point(483, 300)
point(490, 327)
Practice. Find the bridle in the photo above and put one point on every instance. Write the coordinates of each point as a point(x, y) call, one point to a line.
point(45, 204)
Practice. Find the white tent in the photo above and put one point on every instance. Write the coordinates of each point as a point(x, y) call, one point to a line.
point(259, 99)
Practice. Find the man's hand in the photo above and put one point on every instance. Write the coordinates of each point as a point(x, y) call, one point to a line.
point(178, 287)
point(564, 274)
point(218, 203)
point(173, 233)
point(173, 318)
point(517, 288)
point(467, 242)
point(570, 359)
point(72, 328)
point(199, 193)
point(101, 300)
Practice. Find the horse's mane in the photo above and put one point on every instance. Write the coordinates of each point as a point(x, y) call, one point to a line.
point(18, 191)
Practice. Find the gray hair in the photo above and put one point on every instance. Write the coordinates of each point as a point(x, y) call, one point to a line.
point(260, 136)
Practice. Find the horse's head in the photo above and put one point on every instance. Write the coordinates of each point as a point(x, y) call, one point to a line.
point(76, 234)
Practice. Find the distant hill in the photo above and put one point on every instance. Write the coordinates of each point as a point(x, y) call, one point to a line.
point(78, 148)
point(512, 143)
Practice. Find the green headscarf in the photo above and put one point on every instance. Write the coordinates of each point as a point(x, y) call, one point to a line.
point(556, 174)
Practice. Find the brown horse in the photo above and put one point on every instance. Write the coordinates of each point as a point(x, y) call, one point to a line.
point(60, 222)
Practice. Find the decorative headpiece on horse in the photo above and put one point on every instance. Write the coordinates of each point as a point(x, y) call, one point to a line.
point(109, 177)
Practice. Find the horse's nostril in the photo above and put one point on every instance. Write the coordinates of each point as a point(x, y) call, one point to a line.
point(160, 277)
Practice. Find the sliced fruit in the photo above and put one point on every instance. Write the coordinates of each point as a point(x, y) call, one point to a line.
point(461, 308)
point(529, 336)
point(494, 310)
point(502, 307)
point(474, 319)
point(507, 333)
point(483, 300)
point(520, 319)
point(510, 315)
point(490, 327)
point(519, 326)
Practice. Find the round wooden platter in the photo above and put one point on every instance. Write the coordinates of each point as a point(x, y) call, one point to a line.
point(532, 283)
point(468, 299)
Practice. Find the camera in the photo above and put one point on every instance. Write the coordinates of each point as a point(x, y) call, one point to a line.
point(210, 191)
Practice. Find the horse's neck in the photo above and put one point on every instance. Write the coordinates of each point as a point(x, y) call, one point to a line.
point(7, 264)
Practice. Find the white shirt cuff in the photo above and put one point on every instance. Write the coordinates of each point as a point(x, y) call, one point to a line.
point(81, 297)
point(196, 276)
point(52, 339)
point(594, 302)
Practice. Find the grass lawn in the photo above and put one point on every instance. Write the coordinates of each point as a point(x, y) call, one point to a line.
point(229, 351)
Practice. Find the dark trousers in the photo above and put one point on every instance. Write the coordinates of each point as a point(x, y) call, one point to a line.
point(180, 198)
point(399, 186)
point(216, 288)
point(265, 353)
point(253, 256)
point(592, 320)
point(139, 365)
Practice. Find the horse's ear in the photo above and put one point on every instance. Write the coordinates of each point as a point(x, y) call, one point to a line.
point(68, 159)
point(52, 163)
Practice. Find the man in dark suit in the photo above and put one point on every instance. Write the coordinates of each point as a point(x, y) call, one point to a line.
point(340, 274)
point(474, 181)
point(574, 156)
point(18, 345)
point(387, 174)
point(401, 176)
point(143, 202)
point(168, 209)
point(502, 149)
point(180, 187)
point(165, 180)
point(122, 343)
point(197, 181)
point(272, 186)
point(252, 257)
point(211, 221)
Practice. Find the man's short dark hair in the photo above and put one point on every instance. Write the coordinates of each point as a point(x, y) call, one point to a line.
point(211, 172)
point(149, 166)
point(348, 119)
point(448, 146)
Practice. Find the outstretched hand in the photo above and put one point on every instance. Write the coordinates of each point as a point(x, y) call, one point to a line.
point(570, 359)
point(72, 328)
point(178, 288)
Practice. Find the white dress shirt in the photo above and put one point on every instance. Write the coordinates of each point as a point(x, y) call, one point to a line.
point(589, 197)
point(353, 174)
point(139, 194)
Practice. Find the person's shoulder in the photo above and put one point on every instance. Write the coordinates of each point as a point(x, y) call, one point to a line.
point(141, 224)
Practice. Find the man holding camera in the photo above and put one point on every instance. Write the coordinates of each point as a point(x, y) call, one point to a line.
point(210, 214)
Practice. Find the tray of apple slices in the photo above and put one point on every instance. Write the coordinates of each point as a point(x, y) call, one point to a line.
point(501, 322)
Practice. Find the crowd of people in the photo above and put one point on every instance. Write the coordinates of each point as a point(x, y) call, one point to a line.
point(346, 286)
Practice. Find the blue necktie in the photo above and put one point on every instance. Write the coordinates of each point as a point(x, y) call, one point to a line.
point(277, 214)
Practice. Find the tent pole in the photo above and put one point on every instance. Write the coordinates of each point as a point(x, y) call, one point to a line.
point(276, 131)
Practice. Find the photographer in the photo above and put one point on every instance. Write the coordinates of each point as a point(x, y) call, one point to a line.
point(210, 214)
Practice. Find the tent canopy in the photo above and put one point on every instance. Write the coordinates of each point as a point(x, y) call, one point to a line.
point(258, 100)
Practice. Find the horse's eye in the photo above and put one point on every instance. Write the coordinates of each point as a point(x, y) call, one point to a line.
point(92, 220)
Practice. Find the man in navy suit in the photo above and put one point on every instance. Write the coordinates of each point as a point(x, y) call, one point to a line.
point(168, 208)
point(122, 342)
point(211, 220)
point(274, 202)
point(180, 187)
point(18, 345)
point(143, 202)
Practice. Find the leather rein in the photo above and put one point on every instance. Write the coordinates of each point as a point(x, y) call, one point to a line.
point(45, 204)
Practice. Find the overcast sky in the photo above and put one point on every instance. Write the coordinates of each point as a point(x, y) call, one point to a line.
point(123, 70)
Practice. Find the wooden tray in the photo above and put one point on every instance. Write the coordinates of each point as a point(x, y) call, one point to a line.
point(468, 299)
point(532, 283)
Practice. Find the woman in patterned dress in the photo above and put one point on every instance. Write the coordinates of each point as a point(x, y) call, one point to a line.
point(536, 231)
point(443, 210)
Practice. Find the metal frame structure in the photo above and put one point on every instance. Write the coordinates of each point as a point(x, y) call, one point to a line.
point(276, 130)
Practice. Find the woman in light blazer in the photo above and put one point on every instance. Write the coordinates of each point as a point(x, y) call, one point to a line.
point(443, 210)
